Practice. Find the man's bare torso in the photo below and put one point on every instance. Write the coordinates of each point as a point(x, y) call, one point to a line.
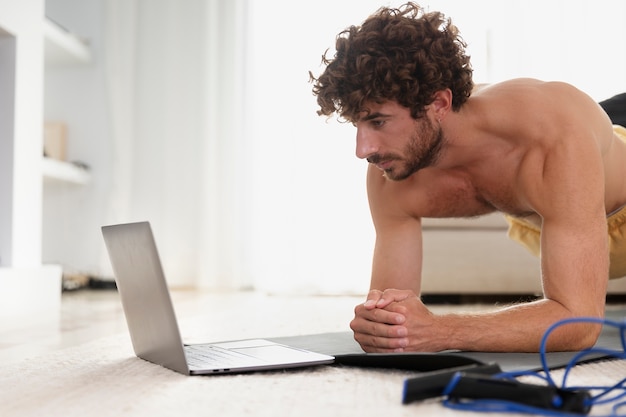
point(499, 145)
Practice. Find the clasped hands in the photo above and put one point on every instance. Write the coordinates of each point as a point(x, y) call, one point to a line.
point(393, 321)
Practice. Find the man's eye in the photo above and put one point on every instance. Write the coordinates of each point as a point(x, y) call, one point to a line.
point(378, 123)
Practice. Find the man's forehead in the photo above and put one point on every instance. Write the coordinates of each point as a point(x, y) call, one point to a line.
point(387, 107)
point(372, 106)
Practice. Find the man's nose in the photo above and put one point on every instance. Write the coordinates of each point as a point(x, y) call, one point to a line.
point(365, 144)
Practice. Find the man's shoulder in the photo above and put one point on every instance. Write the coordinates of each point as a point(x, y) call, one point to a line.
point(526, 110)
point(526, 89)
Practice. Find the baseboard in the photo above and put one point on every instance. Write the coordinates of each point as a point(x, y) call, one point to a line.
point(495, 298)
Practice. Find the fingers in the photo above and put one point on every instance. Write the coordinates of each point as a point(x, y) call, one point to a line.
point(381, 344)
point(381, 323)
point(378, 315)
point(377, 337)
point(391, 296)
point(380, 299)
point(378, 330)
point(373, 297)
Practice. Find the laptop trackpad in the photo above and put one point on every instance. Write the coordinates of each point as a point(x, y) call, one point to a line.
point(273, 352)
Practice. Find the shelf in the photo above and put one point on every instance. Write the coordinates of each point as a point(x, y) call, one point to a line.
point(63, 47)
point(59, 171)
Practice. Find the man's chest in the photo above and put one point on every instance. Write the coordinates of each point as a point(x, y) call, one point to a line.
point(457, 194)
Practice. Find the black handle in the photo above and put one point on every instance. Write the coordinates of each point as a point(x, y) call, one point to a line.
point(473, 386)
point(431, 384)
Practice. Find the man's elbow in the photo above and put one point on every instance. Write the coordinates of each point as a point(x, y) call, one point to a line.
point(577, 336)
point(589, 336)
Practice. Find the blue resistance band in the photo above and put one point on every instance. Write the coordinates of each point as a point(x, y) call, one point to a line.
point(606, 395)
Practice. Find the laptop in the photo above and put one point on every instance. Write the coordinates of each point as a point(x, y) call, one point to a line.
point(152, 323)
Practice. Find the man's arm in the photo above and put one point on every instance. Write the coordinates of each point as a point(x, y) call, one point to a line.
point(397, 260)
point(397, 263)
point(564, 183)
point(570, 198)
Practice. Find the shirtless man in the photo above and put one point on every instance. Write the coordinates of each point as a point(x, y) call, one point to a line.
point(543, 153)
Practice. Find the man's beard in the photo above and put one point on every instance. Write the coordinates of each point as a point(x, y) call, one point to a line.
point(423, 150)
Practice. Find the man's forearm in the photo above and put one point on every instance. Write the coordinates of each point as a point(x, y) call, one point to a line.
point(517, 328)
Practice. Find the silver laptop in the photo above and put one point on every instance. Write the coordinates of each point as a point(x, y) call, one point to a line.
point(152, 322)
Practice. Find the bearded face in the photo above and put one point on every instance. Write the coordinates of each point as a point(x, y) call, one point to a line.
point(423, 148)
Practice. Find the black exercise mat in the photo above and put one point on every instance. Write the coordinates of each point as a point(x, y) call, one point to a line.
point(341, 344)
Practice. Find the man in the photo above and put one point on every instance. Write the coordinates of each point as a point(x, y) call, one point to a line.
point(543, 153)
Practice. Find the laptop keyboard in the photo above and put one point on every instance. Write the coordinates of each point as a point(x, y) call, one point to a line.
point(208, 356)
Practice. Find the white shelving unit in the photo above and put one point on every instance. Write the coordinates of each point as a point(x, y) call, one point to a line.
point(63, 48)
point(59, 171)
point(29, 290)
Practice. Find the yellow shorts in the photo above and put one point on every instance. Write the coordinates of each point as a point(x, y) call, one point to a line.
point(528, 235)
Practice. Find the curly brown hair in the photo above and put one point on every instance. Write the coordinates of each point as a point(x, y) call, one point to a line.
point(402, 54)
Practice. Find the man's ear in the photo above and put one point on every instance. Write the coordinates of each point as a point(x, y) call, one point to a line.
point(442, 103)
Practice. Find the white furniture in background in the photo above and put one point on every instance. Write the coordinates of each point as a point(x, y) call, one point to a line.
point(27, 287)
point(475, 256)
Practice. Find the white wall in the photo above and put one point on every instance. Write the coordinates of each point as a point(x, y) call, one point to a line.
point(244, 183)
point(313, 231)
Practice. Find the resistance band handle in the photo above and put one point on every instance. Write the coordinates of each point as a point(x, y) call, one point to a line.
point(473, 386)
point(432, 384)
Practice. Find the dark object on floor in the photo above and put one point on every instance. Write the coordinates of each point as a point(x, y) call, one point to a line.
point(74, 282)
point(102, 284)
point(432, 384)
point(467, 386)
point(615, 107)
point(421, 362)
